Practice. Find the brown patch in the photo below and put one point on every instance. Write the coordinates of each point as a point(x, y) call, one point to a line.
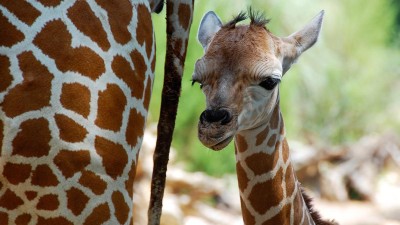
point(153, 63)
point(272, 141)
point(267, 194)
point(123, 70)
point(119, 17)
point(17, 173)
point(71, 162)
point(22, 10)
point(23, 219)
point(283, 217)
point(135, 128)
point(76, 201)
point(140, 73)
point(298, 208)
point(33, 139)
point(262, 136)
point(6, 77)
point(55, 41)
point(44, 177)
point(50, 2)
point(1, 138)
point(113, 155)
point(285, 150)
point(261, 163)
point(48, 202)
point(184, 13)
point(247, 217)
point(52, 221)
point(111, 105)
point(99, 215)
point(177, 47)
point(131, 179)
point(34, 91)
point(93, 182)
point(243, 180)
point(241, 143)
point(87, 22)
point(170, 13)
point(144, 29)
point(3, 218)
point(147, 94)
point(70, 131)
point(290, 181)
point(121, 208)
point(275, 118)
point(76, 97)
point(10, 200)
point(30, 195)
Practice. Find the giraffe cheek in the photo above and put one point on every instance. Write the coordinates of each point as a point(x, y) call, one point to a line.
point(257, 107)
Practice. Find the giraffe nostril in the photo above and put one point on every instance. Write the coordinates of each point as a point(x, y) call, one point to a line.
point(213, 116)
point(203, 117)
point(227, 118)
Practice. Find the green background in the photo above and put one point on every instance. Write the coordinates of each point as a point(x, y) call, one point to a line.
point(345, 87)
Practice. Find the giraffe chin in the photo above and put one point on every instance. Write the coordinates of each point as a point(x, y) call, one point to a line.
point(218, 145)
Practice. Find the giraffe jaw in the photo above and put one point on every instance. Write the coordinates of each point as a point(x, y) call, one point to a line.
point(215, 142)
point(222, 144)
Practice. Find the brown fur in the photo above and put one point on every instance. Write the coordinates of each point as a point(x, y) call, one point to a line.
point(315, 214)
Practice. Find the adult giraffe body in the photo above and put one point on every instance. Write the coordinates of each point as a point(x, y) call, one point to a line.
point(239, 75)
point(75, 84)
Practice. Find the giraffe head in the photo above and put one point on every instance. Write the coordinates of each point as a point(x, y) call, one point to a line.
point(240, 71)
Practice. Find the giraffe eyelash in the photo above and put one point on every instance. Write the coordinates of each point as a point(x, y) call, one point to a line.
point(196, 81)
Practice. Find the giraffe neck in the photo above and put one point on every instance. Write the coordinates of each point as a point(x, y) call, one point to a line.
point(269, 190)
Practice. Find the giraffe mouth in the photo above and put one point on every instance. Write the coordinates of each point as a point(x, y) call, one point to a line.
point(222, 144)
point(215, 135)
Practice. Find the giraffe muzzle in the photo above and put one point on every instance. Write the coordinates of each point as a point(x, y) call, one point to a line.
point(221, 116)
point(216, 128)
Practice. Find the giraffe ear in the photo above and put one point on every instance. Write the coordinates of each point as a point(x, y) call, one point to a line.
point(300, 41)
point(209, 26)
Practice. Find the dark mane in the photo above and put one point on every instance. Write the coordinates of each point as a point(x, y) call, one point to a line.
point(231, 24)
point(257, 18)
point(315, 214)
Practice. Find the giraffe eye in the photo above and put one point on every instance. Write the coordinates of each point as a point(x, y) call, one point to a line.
point(269, 83)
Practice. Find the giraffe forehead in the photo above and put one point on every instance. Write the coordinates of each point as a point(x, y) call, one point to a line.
point(243, 43)
point(243, 52)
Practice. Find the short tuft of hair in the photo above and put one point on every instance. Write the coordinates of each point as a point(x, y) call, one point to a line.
point(257, 18)
point(240, 17)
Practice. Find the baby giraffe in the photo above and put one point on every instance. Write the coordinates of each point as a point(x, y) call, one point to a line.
point(240, 74)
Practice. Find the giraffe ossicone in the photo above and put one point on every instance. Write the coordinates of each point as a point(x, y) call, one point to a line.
point(239, 74)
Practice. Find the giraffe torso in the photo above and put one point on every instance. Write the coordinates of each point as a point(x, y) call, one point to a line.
point(75, 85)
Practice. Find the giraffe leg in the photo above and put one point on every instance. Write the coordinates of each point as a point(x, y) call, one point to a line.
point(176, 52)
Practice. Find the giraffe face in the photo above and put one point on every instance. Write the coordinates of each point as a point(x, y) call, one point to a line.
point(239, 74)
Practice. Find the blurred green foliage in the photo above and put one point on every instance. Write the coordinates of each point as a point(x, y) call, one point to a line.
point(346, 86)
